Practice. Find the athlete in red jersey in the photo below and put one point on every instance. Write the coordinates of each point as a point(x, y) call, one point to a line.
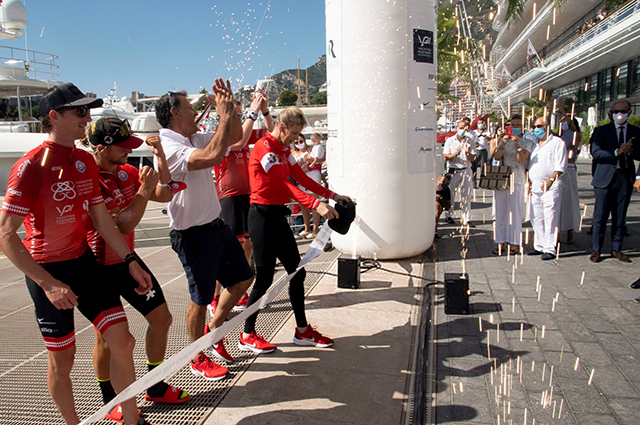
point(232, 186)
point(126, 191)
point(270, 166)
point(54, 191)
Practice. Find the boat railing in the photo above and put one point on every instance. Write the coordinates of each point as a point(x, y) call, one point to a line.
point(20, 127)
point(609, 22)
point(37, 65)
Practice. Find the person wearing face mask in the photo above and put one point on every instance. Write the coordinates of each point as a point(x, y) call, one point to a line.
point(570, 210)
point(514, 152)
point(459, 153)
point(483, 139)
point(614, 146)
point(301, 154)
point(548, 161)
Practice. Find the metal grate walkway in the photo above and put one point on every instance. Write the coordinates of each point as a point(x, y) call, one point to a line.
point(24, 398)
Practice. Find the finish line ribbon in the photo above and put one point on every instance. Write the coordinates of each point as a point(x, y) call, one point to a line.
point(181, 358)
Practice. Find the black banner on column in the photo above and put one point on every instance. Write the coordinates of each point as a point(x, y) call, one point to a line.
point(422, 46)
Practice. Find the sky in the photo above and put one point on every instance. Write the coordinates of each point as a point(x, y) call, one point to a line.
point(156, 46)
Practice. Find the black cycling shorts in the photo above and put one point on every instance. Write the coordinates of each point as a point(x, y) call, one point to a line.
point(235, 213)
point(119, 277)
point(96, 301)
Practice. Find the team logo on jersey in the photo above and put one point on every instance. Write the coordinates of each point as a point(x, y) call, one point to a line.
point(65, 209)
point(268, 161)
point(22, 167)
point(122, 175)
point(118, 196)
point(63, 190)
point(80, 166)
point(14, 192)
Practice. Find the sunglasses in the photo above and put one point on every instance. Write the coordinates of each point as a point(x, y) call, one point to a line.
point(81, 111)
point(619, 112)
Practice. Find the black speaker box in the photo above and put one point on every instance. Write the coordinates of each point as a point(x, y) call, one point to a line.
point(456, 293)
point(349, 271)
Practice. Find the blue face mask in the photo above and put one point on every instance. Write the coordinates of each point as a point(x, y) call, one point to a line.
point(539, 132)
point(462, 133)
point(517, 131)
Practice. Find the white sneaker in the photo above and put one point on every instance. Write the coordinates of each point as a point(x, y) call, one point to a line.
point(304, 234)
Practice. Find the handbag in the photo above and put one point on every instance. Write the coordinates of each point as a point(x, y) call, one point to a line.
point(495, 177)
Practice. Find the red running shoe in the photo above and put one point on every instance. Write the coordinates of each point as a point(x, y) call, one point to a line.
point(217, 348)
point(214, 305)
point(255, 343)
point(242, 304)
point(207, 369)
point(312, 337)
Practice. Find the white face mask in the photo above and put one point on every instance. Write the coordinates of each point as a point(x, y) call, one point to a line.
point(620, 119)
point(482, 126)
point(300, 145)
point(461, 133)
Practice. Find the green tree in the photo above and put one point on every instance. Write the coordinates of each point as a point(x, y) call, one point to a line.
point(319, 98)
point(288, 98)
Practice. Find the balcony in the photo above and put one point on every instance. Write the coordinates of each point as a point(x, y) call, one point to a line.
point(611, 41)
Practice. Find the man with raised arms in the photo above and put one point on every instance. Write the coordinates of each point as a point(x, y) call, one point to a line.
point(54, 190)
point(207, 247)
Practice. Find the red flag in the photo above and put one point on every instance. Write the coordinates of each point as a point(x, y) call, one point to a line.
point(177, 186)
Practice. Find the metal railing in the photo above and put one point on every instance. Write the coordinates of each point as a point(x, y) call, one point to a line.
point(36, 64)
point(615, 18)
point(20, 127)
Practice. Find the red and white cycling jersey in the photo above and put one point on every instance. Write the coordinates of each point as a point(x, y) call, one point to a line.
point(232, 174)
point(53, 186)
point(118, 191)
point(270, 166)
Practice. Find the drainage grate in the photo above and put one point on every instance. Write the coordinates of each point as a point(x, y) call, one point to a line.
point(23, 360)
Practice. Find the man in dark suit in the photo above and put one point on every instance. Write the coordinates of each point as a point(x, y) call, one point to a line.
point(613, 151)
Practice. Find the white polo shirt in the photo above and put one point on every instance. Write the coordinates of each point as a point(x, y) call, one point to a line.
point(451, 147)
point(198, 204)
point(545, 159)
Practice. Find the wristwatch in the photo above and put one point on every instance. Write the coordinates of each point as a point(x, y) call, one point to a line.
point(253, 115)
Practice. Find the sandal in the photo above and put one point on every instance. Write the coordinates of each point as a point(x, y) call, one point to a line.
point(116, 414)
point(172, 395)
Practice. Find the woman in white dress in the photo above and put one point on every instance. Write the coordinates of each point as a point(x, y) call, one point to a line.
point(513, 151)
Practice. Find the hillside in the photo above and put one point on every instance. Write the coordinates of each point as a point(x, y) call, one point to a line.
point(289, 80)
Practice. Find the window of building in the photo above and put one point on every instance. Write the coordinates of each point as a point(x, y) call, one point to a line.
point(606, 86)
point(635, 74)
point(592, 90)
point(622, 81)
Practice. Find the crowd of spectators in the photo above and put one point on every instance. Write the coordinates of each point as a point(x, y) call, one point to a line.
point(602, 14)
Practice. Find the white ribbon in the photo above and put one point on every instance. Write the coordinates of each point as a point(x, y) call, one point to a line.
point(181, 358)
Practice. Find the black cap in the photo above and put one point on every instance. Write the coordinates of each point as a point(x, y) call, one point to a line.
point(113, 131)
point(347, 213)
point(63, 95)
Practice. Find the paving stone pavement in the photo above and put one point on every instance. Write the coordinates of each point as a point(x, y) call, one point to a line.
point(541, 342)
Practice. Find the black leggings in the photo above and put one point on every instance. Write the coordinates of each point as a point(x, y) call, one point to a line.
point(272, 238)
